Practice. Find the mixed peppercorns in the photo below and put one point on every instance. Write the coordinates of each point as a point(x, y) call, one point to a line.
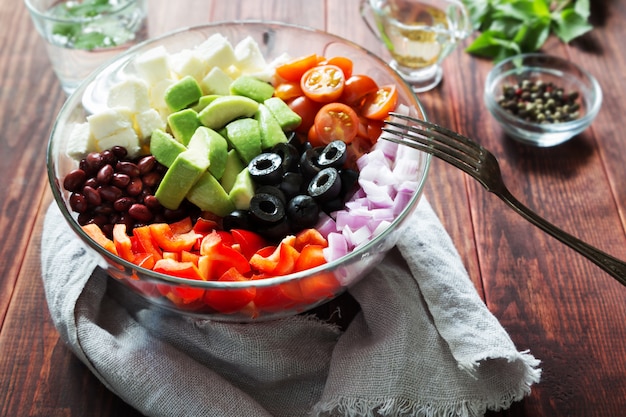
point(540, 102)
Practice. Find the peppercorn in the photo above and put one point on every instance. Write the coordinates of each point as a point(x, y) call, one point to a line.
point(540, 102)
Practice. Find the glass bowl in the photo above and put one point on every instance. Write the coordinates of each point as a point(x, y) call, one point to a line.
point(546, 69)
point(275, 297)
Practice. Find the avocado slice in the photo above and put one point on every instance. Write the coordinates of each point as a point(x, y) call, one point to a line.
point(287, 118)
point(254, 88)
point(245, 137)
point(271, 132)
point(234, 166)
point(182, 93)
point(242, 191)
point(211, 144)
point(164, 147)
point(209, 195)
point(186, 169)
point(225, 109)
point(183, 124)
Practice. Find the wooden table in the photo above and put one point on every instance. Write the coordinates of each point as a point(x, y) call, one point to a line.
point(555, 303)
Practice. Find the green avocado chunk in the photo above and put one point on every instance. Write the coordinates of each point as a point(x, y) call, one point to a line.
point(186, 169)
point(287, 118)
point(164, 147)
point(242, 191)
point(244, 136)
point(183, 93)
point(225, 109)
point(209, 195)
point(271, 132)
point(210, 143)
point(252, 87)
point(233, 167)
point(183, 124)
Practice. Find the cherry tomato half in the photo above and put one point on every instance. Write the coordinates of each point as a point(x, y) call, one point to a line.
point(356, 88)
point(379, 103)
point(294, 69)
point(336, 121)
point(288, 90)
point(342, 62)
point(306, 109)
point(323, 83)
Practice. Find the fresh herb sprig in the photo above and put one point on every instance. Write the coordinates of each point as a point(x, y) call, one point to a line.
point(511, 27)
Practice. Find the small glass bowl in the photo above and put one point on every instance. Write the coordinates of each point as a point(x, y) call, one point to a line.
point(535, 67)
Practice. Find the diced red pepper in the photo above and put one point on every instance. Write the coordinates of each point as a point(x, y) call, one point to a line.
point(309, 237)
point(177, 269)
point(167, 240)
point(204, 226)
point(94, 232)
point(229, 300)
point(212, 246)
point(310, 257)
point(249, 242)
point(182, 226)
point(122, 241)
point(146, 243)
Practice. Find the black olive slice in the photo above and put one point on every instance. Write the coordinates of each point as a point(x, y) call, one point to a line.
point(334, 155)
point(237, 219)
point(274, 190)
point(291, 185)
point(326, 185)
point(308, 163)
point(266, 209)
point(266, 168)
point(289, 154)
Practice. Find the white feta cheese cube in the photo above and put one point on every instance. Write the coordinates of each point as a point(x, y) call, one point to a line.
point(153, 65)
point(132, 93)
point(216, 51)
point(109, 121)
point(80, 141)
point(250, 59)
point(146, 122)
point(157, 96)
point(216, 82)
point(187, 62)
point(124, 137)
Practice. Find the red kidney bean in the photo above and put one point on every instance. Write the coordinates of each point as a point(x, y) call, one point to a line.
point(106, 209)
point(85, 218)
point(94, 161)
point(92, 195)
point(120, 180)
point(128, 168)
point(119, 151)
point(108, 157)
point(75, 180)
point(140, 213)
point(152, 203)
point(146, 164)
point(123, 204)
point(91, 182)
point(78, 203)
point(105, 174)
point(110, 193)
point(100, 220)
point(152, 179)
point(135, 187)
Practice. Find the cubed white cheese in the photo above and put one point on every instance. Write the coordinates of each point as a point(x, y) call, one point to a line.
point(157, 96)
point(216, 82)
point(153, 65)
point(132, 93)
point(146, 122)
point(216, 51)
point(80, 141)
point(187, 62)
point(109, 121)
point(124, 137)
point(250, 59)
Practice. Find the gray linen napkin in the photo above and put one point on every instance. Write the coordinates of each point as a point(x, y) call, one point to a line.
point(423, 344)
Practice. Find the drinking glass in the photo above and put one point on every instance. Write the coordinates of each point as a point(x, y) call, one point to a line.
point(419, 34)
point(81, 35)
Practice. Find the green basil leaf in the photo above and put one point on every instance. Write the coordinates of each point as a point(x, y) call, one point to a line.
point(570, 25)
point(525, 10)
point(492, 44)
point(533, 35)
point(581, 7)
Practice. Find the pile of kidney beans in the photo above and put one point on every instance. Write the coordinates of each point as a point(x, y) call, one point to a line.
point(109, 188)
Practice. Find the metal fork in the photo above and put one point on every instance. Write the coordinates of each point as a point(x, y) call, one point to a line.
point(480, 164)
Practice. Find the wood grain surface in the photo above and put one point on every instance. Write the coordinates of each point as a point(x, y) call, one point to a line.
point(553, 302)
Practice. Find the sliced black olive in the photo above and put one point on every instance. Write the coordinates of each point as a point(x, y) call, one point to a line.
point(308, 163)
point(303, 212)
point(333, 205)
point(326, 185)
point(266, 168)
point(274, 190)
point(238, 219)
point(275, 231)
point(334, 155)
point(289, 154)
point(349, 178)
point(266, 209)
point(291, 185)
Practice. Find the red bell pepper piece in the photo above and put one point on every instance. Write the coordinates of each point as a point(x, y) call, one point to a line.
point(213, 246)
point(249, 242)
point(146, 242)
point(309, 237)
point(181, 226)
point(310, 257)
point(229, 300)
point(167, 240)
point(122, 241)
point(178, 269)
point(94, 232)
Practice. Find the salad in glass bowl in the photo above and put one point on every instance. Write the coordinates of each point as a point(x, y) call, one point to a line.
point(237, 171)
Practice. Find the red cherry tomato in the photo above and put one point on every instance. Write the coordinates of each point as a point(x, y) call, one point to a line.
point(288, 90)
point(379, 103)
point(306, 109)
point(323, 83)
point(342, 62)
point(293, 70)
point(336, 121)
point(357, 87)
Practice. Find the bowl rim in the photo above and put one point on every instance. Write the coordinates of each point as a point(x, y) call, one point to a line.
point(265, 282)
point(496, 74)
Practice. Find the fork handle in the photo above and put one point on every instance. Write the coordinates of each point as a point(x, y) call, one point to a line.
point(613, 266)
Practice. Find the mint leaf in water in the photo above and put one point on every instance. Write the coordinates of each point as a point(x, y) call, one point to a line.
point(510, 27)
